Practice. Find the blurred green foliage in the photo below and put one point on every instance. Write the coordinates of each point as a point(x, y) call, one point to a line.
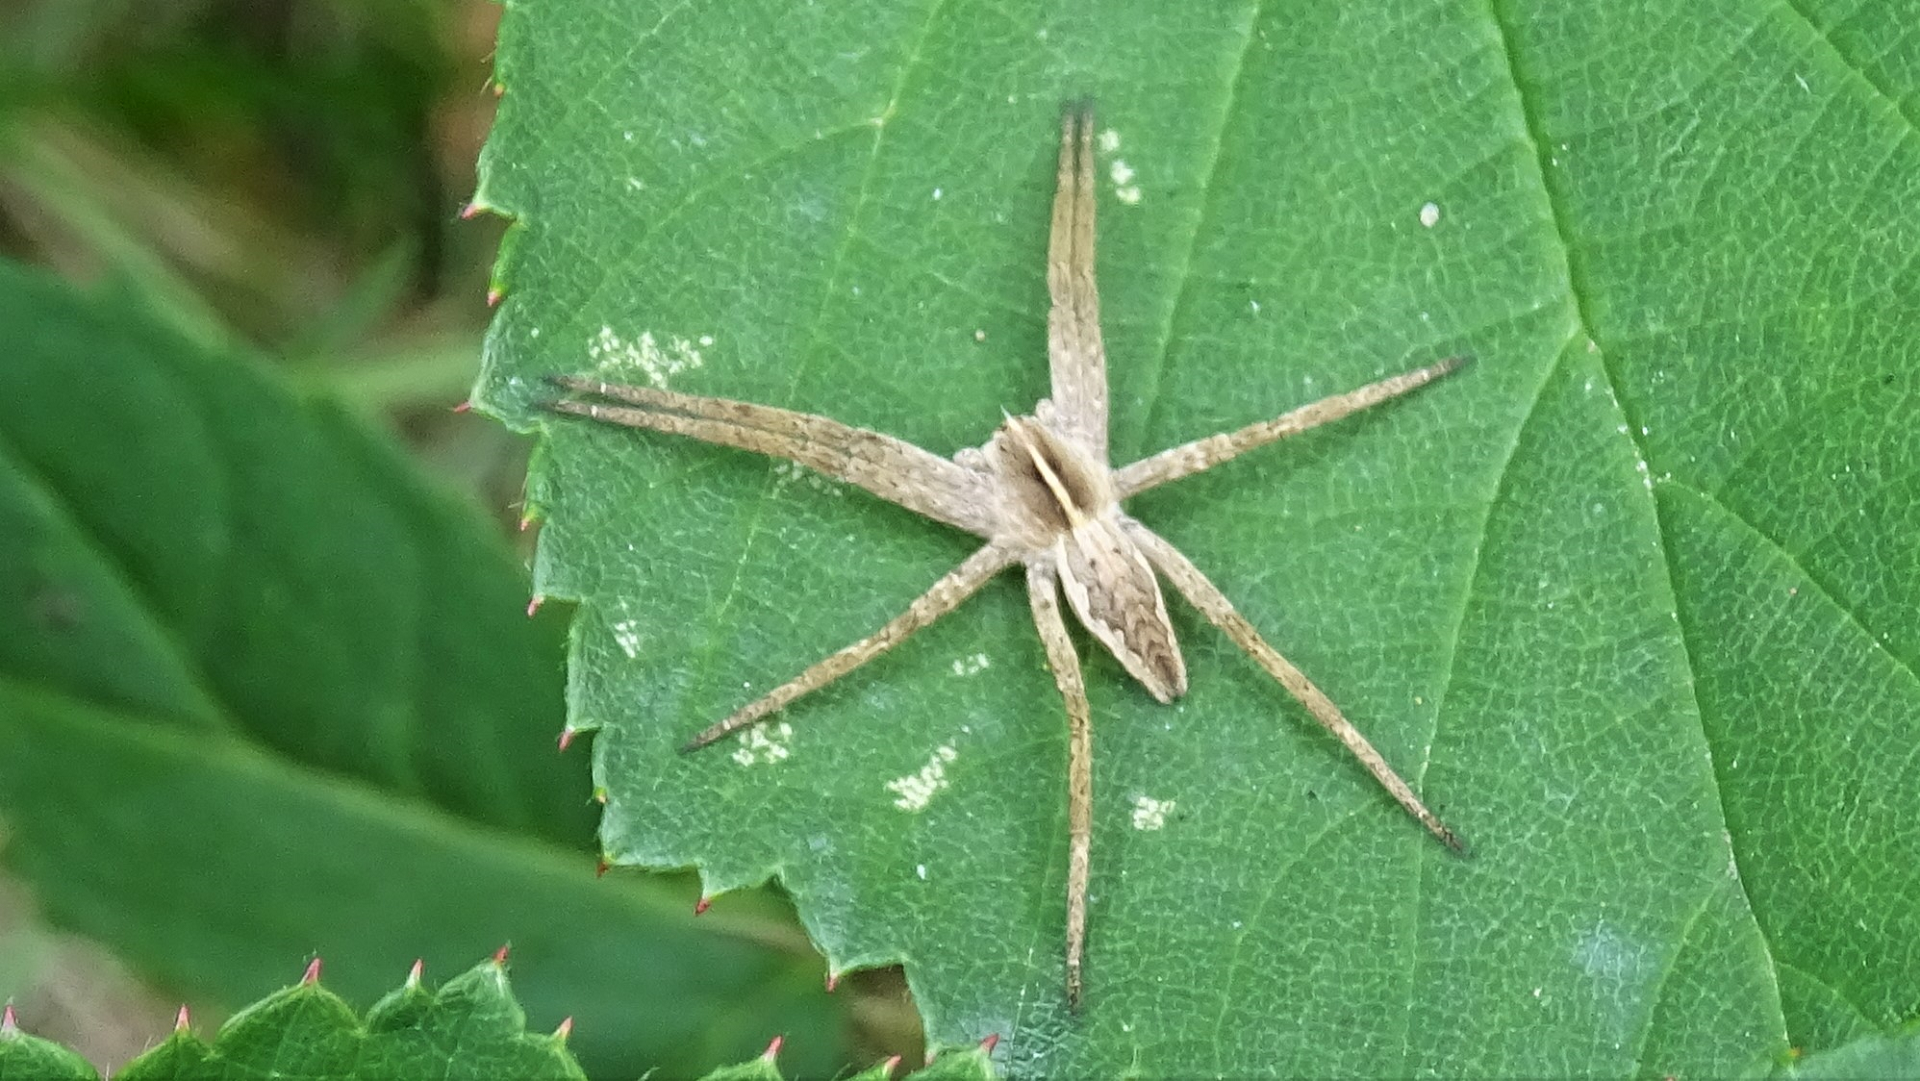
point(283, 180)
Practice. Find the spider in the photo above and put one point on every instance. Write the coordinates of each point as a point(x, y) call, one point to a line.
point(1042, 494)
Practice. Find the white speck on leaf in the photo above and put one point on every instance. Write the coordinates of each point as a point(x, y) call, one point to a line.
point(1430, 215)
point(979, 335)
point(936, 194)
point(626, 633)
point(1109, 141)
point(1150, 813)
point(1129, 195)
point(611, 353)
point(921, 870)
point(916, 790)
point(764, 744)
point(785, 473)
point(967, 666)
point(1121, 172)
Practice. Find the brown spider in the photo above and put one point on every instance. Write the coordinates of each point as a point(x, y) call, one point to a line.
point(1042, 494)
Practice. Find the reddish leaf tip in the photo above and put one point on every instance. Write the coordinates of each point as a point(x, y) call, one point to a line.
point(892, 1064)
point(773, 1049)
point(418, 970)
point(566, 737)
point(565, 1030)
point(700, 907)
point(992, 1041)
point(500, 955)
point(471, 211)
point(463, 407)
point(601, 867)
point(533, 605)
point(9, 1026)
point(313, 972)
point(499, 89)
point(182, 1022)
point(495, 296)
point(527, 520)
point(833, 981)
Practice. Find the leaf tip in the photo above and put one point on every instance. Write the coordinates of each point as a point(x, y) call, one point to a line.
point(312, 975)
point(500, 955)
point(700, 907)
point(533, 605)
point(182, 1021)
point(565, 1030)
point(418, 970)
point(9, 1025)
point(773, 1049)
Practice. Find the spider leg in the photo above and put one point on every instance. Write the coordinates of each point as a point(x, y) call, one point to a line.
point(1202, 454)
point(1078, 359)
point(945, 595)
point(1205, 596)
point(893, 469)
point(1041, 582)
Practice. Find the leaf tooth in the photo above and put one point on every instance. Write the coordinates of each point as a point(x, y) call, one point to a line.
point(773, 1049)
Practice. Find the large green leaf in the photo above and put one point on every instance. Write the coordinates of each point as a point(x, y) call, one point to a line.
point(1629, 600)
point(264, 692)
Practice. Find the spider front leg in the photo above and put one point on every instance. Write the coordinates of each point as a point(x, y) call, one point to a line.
point(891, 468)
point(1076, 356)
point(1065, 662)
point(1204, 595)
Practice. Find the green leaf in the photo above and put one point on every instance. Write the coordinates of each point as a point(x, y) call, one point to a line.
point(1889, 1056)
point(263, 692)
point(1629, 600)
point(30, 1058)
point(469, 1028)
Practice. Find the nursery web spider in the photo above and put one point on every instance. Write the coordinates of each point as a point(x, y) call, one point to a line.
point(1042, 494)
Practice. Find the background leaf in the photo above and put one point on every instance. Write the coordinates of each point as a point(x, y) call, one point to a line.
point(264, 693)
point(1626, 600)
point(471, 1026)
